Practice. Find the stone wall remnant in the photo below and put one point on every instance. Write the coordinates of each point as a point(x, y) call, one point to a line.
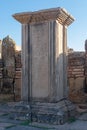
point(10, 64)
point(8, 56)
point(77, 75)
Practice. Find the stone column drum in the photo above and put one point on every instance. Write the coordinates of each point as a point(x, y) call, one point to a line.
point(44, 73)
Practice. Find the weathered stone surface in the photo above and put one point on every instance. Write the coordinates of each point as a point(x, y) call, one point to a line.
point(76, 61)
point(43, 59)
point(20, 111)
point(76, 90)
point(18, 59)
point(45, 15)
point(44, 45)
point(39, 41)
point(10, 71)
point(52, 113)
point(77, 75)
point(8, 56)
point(18, 88)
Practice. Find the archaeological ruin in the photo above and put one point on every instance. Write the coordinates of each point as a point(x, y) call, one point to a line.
point(10, 71)
point(44, 64)
point(77, 75)
point(45, 76)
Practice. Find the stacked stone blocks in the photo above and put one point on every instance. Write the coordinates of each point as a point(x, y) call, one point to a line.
point(10, 70)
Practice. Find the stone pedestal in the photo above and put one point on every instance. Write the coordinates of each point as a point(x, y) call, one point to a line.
point(44, 47)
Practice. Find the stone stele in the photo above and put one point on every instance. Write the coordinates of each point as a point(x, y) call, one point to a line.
point(44, 73)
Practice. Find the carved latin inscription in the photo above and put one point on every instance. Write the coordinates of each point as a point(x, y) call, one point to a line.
point(39, 41)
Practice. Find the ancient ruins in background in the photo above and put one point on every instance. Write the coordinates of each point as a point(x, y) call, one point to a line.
point(10, 71)
point(46, 85)
point(77, 75)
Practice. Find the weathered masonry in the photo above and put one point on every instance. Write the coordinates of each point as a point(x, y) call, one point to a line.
point(44, 73)
point(77, 76)
point(10, 71)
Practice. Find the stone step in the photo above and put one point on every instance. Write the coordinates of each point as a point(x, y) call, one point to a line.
point(51, 113)
point(16, 110)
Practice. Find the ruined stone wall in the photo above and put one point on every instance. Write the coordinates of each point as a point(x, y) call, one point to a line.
point(77, 77)
point(10, 71)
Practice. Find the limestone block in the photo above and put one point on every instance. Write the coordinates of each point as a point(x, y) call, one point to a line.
point(76, 89)
point(17, 87)
point(18, 59)
point(18, 74)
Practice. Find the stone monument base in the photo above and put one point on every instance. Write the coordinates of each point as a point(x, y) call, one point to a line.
point(50, 113)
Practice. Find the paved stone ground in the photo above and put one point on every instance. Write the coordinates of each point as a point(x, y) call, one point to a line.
point(7, 123)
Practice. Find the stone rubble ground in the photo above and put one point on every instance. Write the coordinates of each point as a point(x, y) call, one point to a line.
point(7, 123)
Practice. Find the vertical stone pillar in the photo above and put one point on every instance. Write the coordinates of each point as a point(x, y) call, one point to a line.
point(65, 89)
point(25, 95)
point(44, 48)
point(8, 57)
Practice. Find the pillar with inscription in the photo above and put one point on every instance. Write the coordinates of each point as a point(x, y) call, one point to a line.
point(44, 64)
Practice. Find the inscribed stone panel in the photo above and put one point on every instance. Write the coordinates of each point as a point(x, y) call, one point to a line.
point(39, 41)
